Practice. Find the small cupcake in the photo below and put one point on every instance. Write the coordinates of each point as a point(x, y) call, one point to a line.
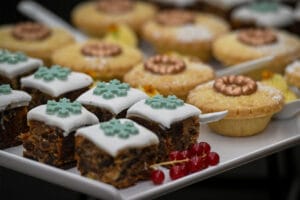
point(186, 32)
point(249, 44)
point(95, 17)
point(263, 14)
point(292, 74)
point(54, 83)
point(101, 59)
point(13, 66)
point(250, 104)
point(222, 8)
point(34, 39)
point(170, 74)
point(13, 111)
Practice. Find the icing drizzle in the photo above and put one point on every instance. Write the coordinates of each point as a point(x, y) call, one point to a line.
point(116, 127)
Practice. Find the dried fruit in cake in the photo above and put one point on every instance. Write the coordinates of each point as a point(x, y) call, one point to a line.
point(52, 126)
point(13, 111)
point(118, 152)
point(175, 122)
point(186, 32)
point(34, 39)
point(250, 104)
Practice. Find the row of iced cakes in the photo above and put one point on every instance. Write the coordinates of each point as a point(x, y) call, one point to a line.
point(60, 128)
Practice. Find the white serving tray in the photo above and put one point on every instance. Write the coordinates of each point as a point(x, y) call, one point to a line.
point(233, 153)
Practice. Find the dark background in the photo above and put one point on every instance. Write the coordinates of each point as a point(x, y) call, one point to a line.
point(274, 177)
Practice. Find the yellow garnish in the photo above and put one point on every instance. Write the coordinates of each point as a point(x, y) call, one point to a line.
point(149, 90)
point(277, 81)
point(266, 74)
point(121, 34)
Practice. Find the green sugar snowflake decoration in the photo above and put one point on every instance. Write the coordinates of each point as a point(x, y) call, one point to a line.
point(49, 74)
point(112, 89)
point(264, 6)
point(63, 108)
point(115, 127)
point(159, 102)
point(12, 58)
point(5, 89)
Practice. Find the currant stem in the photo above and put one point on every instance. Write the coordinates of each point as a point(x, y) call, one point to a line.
point(154, 166)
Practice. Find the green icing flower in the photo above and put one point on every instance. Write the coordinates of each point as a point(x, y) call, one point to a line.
point(159, 102)
point(49, 74)
point(264, 6)
point(112, 89)
point(5, 89)
point(63, 108)
point(12, 58)
point(116, 127)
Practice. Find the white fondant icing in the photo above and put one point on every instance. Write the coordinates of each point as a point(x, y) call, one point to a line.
point(67, 124)
point(282, 17)
point(191, 33)
point(57, 87)
point(165, 117)
point(291, 68)
point(115, 105)
point(15, 99)
point(113, 144)
point(227, 3)
point(13, 70)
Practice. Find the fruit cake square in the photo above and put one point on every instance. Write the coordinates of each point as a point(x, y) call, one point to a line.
point(50, 138)
point(110, 99)
point(13, 66)
point(118, 152)
point(13, 110)
point(175, 122)
point(54, 83)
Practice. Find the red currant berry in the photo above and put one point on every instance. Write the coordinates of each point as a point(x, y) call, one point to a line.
point(213, 158)
point(184, 154)
point(174, 155)
point(205, 146)
point(194, 164)
point(157, 177)
point(196, 149)
point(204, 162)
point(176, 172)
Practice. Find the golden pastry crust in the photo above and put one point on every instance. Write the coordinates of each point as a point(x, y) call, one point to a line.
point(178, 84)
point(265, 101)
point(104, 68)
point(94, 22)
point(166, 38)
point(36, 48)
point(292, 74)
point(230, 51)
